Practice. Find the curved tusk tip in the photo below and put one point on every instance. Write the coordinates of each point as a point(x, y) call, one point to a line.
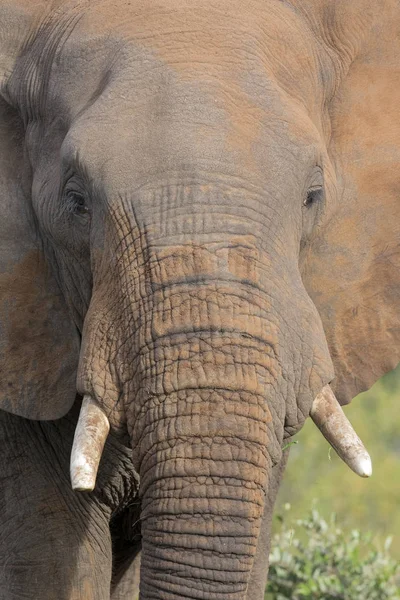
point(363, 466)
point(330, 419)
point(82, 483)
point(83, 477)
point(82, 487)
point(89, 439)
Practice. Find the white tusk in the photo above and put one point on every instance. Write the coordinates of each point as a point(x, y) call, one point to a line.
point(330, 419)
point(90, 436)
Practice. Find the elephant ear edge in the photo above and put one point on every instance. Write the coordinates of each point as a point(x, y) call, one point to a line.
point(39, 343)
point(352, 270)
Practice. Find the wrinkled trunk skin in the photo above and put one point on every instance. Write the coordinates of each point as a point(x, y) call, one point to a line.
point(202, 444)
point(204, 473)
point(201, 509)
point(198, 363)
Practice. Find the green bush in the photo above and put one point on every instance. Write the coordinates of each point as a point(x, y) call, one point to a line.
point(316, 560)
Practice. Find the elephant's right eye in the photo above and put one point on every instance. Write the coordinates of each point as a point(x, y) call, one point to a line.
point(75, 201)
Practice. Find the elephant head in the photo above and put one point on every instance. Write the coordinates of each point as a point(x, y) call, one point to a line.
point(199, 234)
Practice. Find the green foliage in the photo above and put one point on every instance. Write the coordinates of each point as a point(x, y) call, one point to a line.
point(316, 560)
point(314, 471)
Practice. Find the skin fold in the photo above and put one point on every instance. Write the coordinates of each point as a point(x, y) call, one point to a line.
point(199, 230)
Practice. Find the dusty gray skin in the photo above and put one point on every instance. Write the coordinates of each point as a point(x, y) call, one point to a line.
point(180, 188)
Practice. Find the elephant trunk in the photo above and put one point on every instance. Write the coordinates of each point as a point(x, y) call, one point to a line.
point(204, 473)
point(204, 439)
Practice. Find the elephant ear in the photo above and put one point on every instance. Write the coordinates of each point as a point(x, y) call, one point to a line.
point(352, 271)
point(39, 343)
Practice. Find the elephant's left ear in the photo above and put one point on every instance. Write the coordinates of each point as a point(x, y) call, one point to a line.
point(352, 271)
point(39, 343)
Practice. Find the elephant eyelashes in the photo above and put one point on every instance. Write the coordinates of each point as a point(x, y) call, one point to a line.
point(313, 196)
point(75, 203)
point(313, 204)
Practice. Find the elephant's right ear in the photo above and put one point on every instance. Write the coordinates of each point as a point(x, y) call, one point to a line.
point(39, 343)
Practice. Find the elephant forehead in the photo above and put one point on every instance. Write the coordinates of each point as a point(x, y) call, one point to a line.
point(203, 82)
point(128, 137)
point(229, 41)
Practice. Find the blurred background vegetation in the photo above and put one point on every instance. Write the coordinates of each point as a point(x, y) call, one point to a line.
point(315, 473)
point(314, 559)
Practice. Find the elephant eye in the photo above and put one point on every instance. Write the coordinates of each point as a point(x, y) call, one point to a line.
point(80, 204)
point(313, 195)
point(76, 203)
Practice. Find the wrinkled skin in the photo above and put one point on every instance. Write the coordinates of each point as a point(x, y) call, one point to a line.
point(200, 229)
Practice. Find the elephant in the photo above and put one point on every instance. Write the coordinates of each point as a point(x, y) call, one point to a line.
point(199, 249)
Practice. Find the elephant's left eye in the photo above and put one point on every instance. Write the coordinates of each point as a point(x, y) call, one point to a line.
point(312, 208)
point(313, 195)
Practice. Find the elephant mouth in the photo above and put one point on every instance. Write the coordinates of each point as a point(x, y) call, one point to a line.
point(93, 427)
